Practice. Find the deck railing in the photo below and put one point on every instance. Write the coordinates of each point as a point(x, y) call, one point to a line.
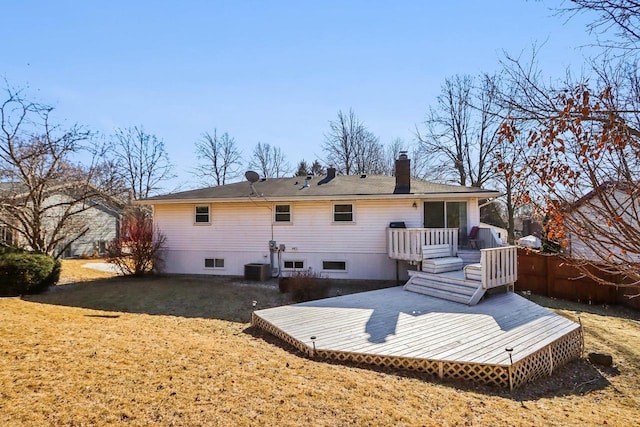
point(499, 266)
point(406, 243)
point(489, 238)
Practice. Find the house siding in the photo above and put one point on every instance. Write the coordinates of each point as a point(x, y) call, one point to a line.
point(240, 234)
point(102, 225)
point(592, 211)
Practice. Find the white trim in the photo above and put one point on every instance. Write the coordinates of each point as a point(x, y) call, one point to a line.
point(346, 197)
point(195, 213)
point(294, 268)
point(353, 212)
point(346, 266)
point(214, 264)
point(275, 222)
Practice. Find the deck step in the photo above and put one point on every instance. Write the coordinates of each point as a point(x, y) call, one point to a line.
point(425, 290)
point(450, 287)
point(444, 286)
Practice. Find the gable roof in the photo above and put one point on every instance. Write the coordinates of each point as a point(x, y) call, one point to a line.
point(318, 188)
point(605, 188)
point(18, 190)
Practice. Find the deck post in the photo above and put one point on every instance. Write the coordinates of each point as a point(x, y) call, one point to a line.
point(511, 377)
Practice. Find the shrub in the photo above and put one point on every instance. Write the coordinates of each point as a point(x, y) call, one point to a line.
point(283, 284)
point(307, 286)
point(139, 248)
point(23, 272)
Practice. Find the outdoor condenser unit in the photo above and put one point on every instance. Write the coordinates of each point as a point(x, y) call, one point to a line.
point(255, 271)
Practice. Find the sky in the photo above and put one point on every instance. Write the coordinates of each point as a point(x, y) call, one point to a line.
point(274, 72)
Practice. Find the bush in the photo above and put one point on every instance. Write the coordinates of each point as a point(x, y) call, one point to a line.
point(23, 272)
point(308, 286)
point(140, 247)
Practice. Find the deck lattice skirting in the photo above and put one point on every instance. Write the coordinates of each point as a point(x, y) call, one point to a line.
point(539, 364)
point(531, 361)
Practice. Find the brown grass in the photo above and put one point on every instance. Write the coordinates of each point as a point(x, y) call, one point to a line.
point(179, 351)
point(73, 271)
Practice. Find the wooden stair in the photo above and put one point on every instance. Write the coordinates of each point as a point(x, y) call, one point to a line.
point(469, 256)
point(449, 286)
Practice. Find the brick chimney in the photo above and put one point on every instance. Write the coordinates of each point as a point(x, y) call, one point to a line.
point(331, 172)
point(403, 174)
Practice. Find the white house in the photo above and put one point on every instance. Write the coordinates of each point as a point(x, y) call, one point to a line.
point(334, 224)
point(602, 225)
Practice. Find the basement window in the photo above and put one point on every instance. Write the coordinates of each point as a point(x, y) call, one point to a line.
point(214, 263)
point(202, 215)
point(293, 265)
point(334, 265)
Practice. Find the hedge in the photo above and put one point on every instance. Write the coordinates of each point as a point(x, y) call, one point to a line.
point(23, 272)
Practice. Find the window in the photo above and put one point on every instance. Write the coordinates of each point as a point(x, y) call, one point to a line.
point(334, 265)
point(343, 213)
point(214, 263)
point(294, 265)
point(6, 235)
point(283, 213)
point(202, 215)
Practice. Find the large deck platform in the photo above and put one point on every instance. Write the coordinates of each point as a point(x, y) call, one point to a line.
point(392, 327)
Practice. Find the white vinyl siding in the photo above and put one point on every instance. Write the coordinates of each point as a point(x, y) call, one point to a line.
point(240, 233)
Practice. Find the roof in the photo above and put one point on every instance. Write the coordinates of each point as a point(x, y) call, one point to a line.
point(18, 190)
point(630, 188)
point(338, 187)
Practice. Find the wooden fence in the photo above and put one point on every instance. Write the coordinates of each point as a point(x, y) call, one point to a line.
point(551, 276)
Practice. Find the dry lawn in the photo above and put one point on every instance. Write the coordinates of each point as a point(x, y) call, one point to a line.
point(179, 351)
point(74, 272)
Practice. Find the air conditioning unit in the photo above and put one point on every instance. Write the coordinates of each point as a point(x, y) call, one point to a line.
point(255, 271)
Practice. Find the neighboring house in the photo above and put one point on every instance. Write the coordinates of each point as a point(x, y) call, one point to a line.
point(335, 225)
point(600, 236)
point(100, 215)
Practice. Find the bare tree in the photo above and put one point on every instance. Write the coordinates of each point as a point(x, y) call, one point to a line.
point(142, 161)
point(219, 158)
point(43, 195)
point(586, 133)
point(622, 17)
point(351, 147)
point(269, 161)
point(460, 135)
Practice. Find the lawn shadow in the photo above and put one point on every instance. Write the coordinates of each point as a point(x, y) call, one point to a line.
point(618, 311)
point(223, 298)
point(576, 378)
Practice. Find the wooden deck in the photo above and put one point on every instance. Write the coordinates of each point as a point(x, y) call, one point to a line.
point(392, 327)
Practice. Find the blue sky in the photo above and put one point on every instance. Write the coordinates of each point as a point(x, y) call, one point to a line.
point(270, 71)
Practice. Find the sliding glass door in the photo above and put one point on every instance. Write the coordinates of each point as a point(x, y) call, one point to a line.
point(447, 215)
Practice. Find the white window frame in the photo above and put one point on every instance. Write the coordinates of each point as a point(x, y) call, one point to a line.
point(294, 268)
point(333, 213)
point(195, 215)
point(214, 263)
point(275, 213)
point(346, 266)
